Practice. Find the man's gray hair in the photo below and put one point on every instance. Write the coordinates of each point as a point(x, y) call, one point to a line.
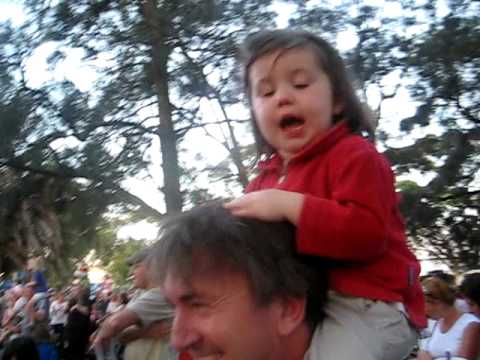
point(210, 238)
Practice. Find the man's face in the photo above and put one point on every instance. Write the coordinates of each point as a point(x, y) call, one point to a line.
point(139, 271)
point(473, 307)
point(28, 292)
point(216, 316)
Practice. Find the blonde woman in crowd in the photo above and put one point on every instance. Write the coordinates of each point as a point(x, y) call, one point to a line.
point(456, 335)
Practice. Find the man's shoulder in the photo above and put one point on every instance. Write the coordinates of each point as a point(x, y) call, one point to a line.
point(151, 297)
point(150, 294)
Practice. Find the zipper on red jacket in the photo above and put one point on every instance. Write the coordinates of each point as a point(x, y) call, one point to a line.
point(283, 172)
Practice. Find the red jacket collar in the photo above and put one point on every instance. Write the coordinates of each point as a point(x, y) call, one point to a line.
point(324, 143)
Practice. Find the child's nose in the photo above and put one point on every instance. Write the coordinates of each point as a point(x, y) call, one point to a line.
point(284, 97)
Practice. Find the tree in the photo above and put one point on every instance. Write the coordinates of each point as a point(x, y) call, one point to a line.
point(52, 198)
point(155, 68)
point(162, 59)
point(116, 263)
point(446, 63)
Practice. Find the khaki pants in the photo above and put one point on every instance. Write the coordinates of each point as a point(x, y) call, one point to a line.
point(361, 329)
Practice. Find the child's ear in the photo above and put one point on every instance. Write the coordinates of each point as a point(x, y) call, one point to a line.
point(291, 315)
point(338, 107)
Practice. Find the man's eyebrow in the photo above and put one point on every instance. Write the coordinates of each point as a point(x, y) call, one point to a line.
point(188, 297)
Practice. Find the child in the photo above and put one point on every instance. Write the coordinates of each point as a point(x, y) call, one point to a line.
point(321, 175)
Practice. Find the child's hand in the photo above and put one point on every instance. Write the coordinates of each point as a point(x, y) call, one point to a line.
point(268, 205)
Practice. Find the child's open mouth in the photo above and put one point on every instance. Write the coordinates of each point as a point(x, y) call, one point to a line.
point(291, 122)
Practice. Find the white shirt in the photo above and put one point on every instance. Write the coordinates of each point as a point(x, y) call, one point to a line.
point(20, 304)
point(113, 306)
point(441, 344)
point(57, 312)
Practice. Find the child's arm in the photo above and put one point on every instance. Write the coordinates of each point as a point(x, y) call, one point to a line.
point(268, 205)
point(356, 222)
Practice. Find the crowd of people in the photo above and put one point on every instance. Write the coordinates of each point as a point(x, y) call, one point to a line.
point(311, 263)
point(59, 322)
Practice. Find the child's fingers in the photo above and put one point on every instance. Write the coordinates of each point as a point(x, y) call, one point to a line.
point(244, 214)
point(229, 205)
point(237, 209)
point(234, 204)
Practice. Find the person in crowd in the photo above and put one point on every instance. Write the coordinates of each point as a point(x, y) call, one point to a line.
point(455, 334)
point(238, 287)
point(12, 318)
point(77, 328)
point(3, 302)
point(321, 175)
point(21, 348)
point(101, 303)
point(25, 310)
point(144, 323)
point(36, 274)
point(460, 302)
point(37, 310)
point(58, 317)
point(470, 288)
point(114, 304)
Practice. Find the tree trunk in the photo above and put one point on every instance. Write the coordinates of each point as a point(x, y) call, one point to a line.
point(157, 28)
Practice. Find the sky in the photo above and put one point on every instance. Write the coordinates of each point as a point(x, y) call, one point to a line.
point(83, 75)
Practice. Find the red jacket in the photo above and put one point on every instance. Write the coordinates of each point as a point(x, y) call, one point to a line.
point(350, 213)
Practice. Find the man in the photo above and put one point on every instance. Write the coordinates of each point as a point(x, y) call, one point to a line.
point(36, 311)
point(238, 287)
point(145, 322)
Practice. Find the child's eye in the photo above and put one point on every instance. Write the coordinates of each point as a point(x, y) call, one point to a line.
point(266, 92)
point(301, 85)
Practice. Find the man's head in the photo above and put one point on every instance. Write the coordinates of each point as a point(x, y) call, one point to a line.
point(470, 288)
point(29, 289)
point(238, 287)
point(139, 263)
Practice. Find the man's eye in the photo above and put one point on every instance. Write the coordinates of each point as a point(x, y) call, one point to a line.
point(197, 304)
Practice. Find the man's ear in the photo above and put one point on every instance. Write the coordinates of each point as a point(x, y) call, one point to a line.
point(291, 315)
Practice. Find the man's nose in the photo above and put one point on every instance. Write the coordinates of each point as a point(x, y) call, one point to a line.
point(183, 335)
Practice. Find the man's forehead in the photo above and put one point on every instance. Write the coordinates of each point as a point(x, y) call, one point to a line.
point(178, 286)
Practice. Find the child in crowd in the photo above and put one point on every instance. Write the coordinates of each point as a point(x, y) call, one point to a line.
point(320, 174)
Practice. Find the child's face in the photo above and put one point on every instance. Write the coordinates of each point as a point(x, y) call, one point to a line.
point(292, 99)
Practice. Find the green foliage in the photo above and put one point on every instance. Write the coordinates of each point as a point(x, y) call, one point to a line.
point(117, 265)
point(445, 61)
point(88, 143)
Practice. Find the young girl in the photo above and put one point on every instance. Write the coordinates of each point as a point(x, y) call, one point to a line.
point(320, 174)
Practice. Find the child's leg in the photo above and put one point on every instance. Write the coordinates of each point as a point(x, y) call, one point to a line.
point(357, 328)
